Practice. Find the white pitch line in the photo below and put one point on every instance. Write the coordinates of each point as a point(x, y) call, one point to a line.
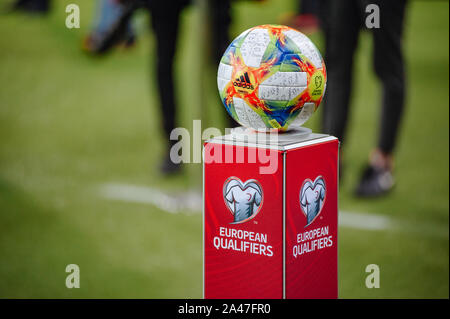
point(364, 221)
point(171, 203)
point(192, 203)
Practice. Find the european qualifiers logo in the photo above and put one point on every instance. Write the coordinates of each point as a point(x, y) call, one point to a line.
point(318, 81)
point(317, 86)
point(244, 200)
point(312, 198)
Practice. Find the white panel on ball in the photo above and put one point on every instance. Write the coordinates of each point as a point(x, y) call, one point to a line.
point(239, 37)
point(223, 75)
point(225, 71)
point(240, 111)
point(278, 93)
point(305, 114)
point(221, 83)
point(246, 115)
point(287, 79)
point(254, 46)
point(306, 47)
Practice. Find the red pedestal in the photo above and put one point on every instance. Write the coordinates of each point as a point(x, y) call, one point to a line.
point(270, 229)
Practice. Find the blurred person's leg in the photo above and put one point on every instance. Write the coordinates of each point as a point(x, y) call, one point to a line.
point(323, 15)
point(165, 22)
point(309, 6)
point(220, 14)
point(109, 13)
point(307, 18)
point(341, 35)
point(389, 67)
point(37, 6)
point(112, 25)
point(377, 178)
point(220, 11)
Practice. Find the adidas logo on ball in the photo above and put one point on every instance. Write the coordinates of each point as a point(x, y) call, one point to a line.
point(243, 82)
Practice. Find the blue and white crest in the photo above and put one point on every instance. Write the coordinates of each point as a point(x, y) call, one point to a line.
point(312, 197)
point(244, 200)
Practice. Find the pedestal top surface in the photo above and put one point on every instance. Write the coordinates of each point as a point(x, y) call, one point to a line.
point(293, 138)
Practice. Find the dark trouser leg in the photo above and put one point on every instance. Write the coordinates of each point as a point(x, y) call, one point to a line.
point(220, 12)
point(165, 20)
point(389, 67)
point(342, 34)
point(309, 7)
point(33, 5)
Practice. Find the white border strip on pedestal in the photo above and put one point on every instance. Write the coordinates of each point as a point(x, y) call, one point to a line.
point(310, 142)
point(273, 146)
point(203, 219)
point(284, 224)
point(337, 217)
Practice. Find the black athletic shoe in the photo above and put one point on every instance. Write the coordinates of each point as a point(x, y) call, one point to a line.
point(374, 182)
point(168, 167)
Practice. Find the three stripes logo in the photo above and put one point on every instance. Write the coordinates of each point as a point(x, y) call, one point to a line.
point(243, 83)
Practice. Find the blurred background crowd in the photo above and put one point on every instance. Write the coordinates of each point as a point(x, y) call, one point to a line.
point(85, 110)
point(341, 23)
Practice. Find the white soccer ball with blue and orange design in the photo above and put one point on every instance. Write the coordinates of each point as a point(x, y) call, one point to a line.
point(271, 77)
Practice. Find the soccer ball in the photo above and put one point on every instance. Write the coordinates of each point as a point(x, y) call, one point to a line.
point(271, 77)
